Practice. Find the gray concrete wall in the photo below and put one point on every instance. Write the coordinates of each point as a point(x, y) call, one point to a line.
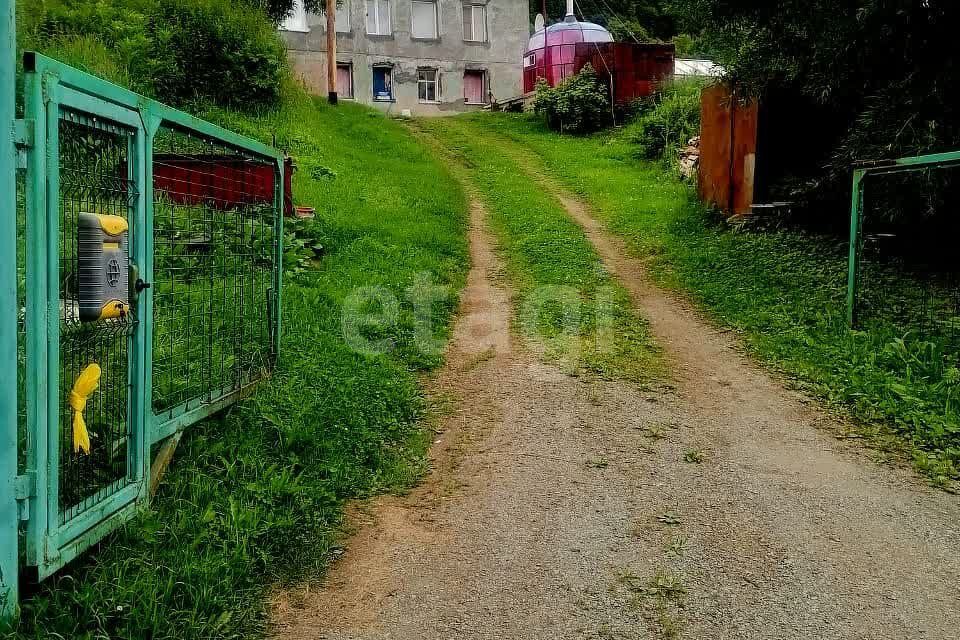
point(501, 56)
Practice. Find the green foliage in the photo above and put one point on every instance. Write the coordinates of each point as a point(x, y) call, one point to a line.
point(782, 291)
point(279, 10)
point(667, 120)
point(643, 19)
point(180, 51)
point(878, 77)
point(579, 104)
point(211, 50)
point(255, 496)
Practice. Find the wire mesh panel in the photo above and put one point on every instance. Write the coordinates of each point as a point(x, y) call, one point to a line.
point(21, 321)
point(213, 275)
point(95, 178)
point(909, 279)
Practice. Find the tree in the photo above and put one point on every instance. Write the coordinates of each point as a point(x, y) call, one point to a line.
point(280, 10)
point(626, 19)
point(879, 76)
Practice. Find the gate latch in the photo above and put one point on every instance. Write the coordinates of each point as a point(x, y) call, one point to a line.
point(25, 488)
point(137, 284)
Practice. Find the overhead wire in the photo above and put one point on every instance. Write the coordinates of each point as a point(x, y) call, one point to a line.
point(613, 112)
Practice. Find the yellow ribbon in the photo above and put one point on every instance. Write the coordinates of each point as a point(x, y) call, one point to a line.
point(86, 384)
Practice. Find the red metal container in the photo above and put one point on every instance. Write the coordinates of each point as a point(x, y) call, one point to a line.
point(563, 49)
point(220, 181)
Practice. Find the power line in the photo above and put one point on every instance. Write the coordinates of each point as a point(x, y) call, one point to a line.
point(621, 20)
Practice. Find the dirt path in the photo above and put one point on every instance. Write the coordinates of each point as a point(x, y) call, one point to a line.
point(563, 508)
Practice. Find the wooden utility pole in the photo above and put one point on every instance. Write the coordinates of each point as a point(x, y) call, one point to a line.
point(544, 11)
point(332, 51)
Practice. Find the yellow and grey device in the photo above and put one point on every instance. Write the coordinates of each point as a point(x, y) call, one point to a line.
point(103, 265)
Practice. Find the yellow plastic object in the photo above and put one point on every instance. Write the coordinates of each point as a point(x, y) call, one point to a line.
point(86, 383)
point(102, 266)
point(113, 225)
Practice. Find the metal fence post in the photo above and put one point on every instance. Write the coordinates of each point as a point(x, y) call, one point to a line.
point(856, 242)
point(8, 314)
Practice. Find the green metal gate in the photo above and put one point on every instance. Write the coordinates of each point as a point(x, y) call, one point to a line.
point(197, 210)
point(925, 309)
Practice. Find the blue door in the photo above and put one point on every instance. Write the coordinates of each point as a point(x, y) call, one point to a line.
point(382, 84)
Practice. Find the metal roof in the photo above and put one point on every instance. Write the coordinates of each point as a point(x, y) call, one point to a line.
point(704, 68)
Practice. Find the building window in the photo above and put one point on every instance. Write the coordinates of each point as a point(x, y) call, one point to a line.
point(428, 85)
point(383, 83)
point(424, 20)
point(342, 17)
point(345, 80)
point(378, 18)
point(475, 87)
point(475, 22)
point(297, 20)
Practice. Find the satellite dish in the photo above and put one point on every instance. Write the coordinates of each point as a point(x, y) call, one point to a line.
point(539, 23)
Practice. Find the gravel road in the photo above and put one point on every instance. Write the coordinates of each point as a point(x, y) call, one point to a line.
point(562, 507)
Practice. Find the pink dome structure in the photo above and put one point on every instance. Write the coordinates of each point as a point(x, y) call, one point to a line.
point(563, 49)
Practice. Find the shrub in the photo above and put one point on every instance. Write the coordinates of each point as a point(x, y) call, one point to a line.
point(668, 120)
point(579, 104)
point(179, 51)
point(211, 50)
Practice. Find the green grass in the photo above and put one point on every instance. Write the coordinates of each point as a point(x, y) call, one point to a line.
point(567, 303)
point(782, 291)
point(254, 497)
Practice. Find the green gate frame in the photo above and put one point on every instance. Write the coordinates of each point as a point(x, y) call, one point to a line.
point(861, 172)
point(27, 498)
point(9, 509)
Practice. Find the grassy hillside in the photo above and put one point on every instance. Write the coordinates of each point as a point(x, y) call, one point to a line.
point(255, 496)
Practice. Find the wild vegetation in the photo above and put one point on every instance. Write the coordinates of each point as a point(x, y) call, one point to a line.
point(666, 121)
point(187, 53)
point(782, 290)
point(874, 80)
point(627, 20)
point(254, 497)
point(579, 104)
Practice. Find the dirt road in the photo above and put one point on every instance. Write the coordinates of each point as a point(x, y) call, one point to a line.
point(567, 508)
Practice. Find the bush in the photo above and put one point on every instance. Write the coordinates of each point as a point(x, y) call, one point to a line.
point(579, 104)
point(211, 50)
point(668, 120)
point(179, 51)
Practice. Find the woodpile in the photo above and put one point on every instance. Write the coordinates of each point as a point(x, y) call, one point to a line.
point(690, 158)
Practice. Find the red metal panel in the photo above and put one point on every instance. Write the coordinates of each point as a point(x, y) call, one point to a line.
point(223, 182)
point(728, 147)
point(634, 69)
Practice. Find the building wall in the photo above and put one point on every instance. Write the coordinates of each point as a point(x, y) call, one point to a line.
point(500, 57)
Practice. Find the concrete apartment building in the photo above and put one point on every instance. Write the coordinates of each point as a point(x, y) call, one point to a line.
point(431, 57)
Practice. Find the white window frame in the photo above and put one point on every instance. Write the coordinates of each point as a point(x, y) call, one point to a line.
point(423, 82)
point(339, 12)
point(473, 7)
point(436, 20)
point(380, 30)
